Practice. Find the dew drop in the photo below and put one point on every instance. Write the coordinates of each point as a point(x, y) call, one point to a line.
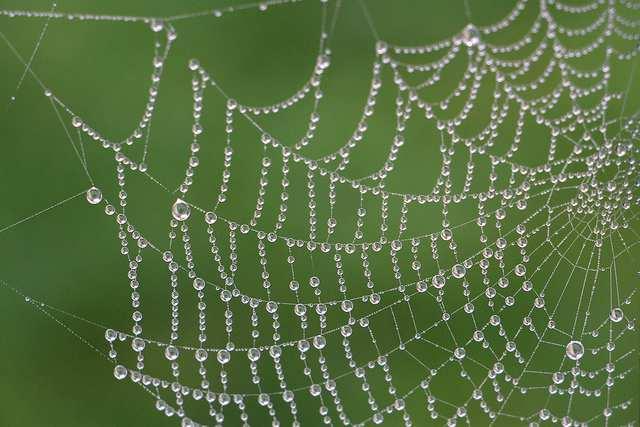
point(201, 355)
point(557, 377)
point(120, 372)
point(520, 270)
point(137, 344)
point(223, 357)
point(171, 352)
point(438, 281)
point(324, 61)
point(156, 25)
point(210, 218)
point(616, 315)
point(575, 350)
point(253, 354)
point(421, 286)
point(198, 284)
point(470, 35)
point(194, 64)
point(180, 210)
point(458, 271)
point(94, 195)
point(110, 335)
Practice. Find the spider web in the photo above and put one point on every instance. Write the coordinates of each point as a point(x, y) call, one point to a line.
point(501, 292)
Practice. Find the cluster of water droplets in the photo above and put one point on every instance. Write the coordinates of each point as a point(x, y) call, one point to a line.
point(598, 187)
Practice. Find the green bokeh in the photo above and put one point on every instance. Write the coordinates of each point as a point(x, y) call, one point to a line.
point(69, 256)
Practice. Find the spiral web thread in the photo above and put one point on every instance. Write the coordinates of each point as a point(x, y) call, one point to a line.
point(498, 299)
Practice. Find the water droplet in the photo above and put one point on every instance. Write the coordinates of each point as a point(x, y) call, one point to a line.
point(315, 390)
point(557, 377)
point(374, 299)
point(324, 61)
point(616, 315)
point(319, 342)
point(271, 307)
point(198, 284)
point(253, 354)
point(110, 335)
point(378, 418)
point(201, 355)
point(156, 25)
point(171, 352)
point(94, 195)
point(224, 356)
point(180, 210)
point(288, 396)
point(137, 344)
point(458, 271)
point(210, 218)
point(575, 350)
point(421, 286)
point(120, 372)
point(194, 64)
point(438, 281)
point(544, 414)
point(470, 35)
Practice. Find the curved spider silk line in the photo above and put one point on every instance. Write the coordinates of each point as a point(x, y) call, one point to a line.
point(539, 247)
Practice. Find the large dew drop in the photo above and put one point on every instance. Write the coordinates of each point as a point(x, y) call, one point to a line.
point(616, 315)
point(438, 281)
point(575, 350)
point(180, 210)
point(171, 352)
point(223, 356)
point(120, 372)
point(94, 195)
point(458, 271)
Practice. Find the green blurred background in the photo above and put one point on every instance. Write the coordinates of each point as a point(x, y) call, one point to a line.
point(69, 257)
